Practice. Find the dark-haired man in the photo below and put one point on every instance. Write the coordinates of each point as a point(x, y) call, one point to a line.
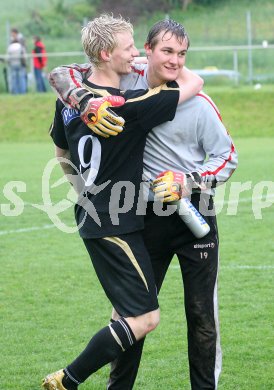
point(196, 144)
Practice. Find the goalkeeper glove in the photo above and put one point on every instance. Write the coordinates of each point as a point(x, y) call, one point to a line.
point(95, 113)
point(170, 186)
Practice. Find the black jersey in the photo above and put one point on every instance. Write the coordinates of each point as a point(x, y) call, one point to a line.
point(110, 169)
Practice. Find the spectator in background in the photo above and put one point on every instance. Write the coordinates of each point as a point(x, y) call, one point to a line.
point(17, 36)
point(39, 63)
point(17, 61)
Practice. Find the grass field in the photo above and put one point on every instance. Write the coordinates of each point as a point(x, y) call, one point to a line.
point(51, 302)
point(246, 112)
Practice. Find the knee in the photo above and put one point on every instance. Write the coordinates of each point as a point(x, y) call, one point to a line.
point(114, 315)
point(143, 324)
point(151, 321)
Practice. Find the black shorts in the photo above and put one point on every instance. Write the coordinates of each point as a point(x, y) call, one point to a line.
point(124, 270)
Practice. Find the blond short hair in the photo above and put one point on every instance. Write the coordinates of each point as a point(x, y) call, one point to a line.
point(100, 34)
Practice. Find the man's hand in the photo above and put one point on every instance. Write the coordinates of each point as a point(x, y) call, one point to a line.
point(95, 113)
point(170, 186)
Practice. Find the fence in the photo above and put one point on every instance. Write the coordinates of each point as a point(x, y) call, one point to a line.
point(239, 64)
point(216, 64)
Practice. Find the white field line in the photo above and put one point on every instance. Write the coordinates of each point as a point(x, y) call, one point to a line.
point(244, 200)
point(30, 229)
point(24, 230)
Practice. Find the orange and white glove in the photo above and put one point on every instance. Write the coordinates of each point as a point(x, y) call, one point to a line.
point(171, 186)
point(97, 115)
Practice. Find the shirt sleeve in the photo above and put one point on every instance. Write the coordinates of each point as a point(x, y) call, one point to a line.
point(222, 157)
point(155, 106)
point(136, 79)
point(67, 79)
point(57, 129)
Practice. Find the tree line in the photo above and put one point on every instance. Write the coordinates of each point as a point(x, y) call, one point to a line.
point(59, 20)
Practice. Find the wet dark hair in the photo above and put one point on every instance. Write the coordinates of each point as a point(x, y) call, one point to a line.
point(169, 26)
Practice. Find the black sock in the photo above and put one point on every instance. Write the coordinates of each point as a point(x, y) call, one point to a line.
point(69, 382)
point(124, 368)
point(104, 347)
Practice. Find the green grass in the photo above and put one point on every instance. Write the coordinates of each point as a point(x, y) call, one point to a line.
point(27, 117)
point(246, 113)
point(45, 323)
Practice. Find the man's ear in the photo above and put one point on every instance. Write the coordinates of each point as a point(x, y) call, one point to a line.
point(147, 49)
point(105, 55)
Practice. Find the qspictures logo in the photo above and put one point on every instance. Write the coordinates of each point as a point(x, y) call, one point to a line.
point(259, 197)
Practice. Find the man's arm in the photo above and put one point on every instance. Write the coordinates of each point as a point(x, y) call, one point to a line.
point(95, 112)
point(221, 161)
point(66, 80)
point(217, 143)
point(64, 158)
point(61, 155)
point(190, 84)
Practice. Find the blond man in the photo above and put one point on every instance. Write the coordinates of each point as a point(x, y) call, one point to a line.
point(109, 177)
